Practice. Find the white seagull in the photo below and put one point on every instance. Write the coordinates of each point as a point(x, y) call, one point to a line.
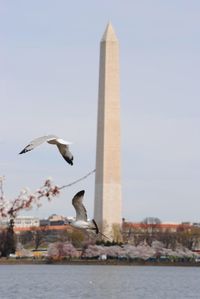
point(81, 221)
point(63, 146)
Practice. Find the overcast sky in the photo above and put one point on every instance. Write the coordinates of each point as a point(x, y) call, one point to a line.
point(49, 61)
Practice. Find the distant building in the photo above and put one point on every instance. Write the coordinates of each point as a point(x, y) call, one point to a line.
point(56, 220)
point(27, 221)
point(186, 223)
point(197, 224)
point(171, 227)
point(44, 222)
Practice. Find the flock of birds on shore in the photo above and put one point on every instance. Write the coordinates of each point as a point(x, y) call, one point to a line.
point(81, 220)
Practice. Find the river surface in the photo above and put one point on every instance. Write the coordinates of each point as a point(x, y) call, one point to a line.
point(123, 282)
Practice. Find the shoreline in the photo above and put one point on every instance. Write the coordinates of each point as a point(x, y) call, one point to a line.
point(4, 261)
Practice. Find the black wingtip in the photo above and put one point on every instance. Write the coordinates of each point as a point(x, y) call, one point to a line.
point(96, 226)
point(70, 161)
point(23, 152)
point(80, 193)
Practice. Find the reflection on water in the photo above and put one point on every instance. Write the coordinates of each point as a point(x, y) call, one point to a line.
point(66, 281)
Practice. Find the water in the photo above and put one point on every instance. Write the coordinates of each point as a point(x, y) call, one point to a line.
point(124, 282)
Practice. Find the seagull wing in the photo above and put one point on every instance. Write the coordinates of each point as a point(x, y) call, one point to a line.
point(36, 142)
point(77, 201)
point(64, 150)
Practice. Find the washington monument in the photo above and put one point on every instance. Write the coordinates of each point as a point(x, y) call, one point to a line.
point(107, 206)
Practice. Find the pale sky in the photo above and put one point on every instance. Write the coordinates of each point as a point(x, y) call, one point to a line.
point(49, 61)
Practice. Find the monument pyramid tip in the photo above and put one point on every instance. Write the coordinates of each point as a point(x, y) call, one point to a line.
point(109, 34)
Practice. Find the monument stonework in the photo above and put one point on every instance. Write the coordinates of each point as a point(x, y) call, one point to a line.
point(107, 206)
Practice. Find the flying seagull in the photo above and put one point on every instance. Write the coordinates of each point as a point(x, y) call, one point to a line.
point(63, 146)
point(81, 221)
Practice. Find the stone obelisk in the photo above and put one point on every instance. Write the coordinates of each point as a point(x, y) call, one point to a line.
point(107, 206)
